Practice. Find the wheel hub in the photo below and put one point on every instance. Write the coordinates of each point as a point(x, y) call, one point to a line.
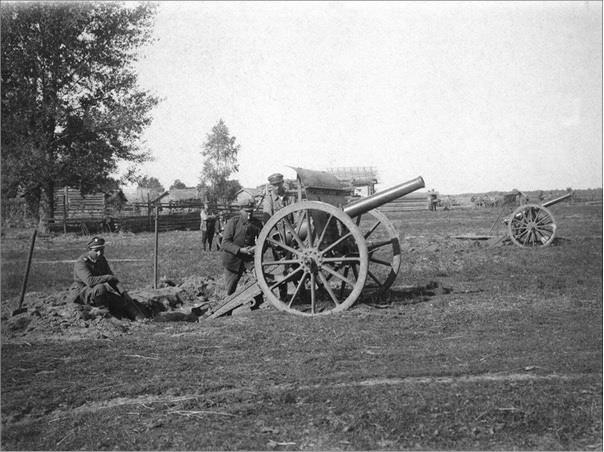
point(311, 260)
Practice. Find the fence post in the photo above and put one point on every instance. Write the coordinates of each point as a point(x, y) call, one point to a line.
point(156, 248)
point(156, 204)
point(148, 212)
point(65, 201)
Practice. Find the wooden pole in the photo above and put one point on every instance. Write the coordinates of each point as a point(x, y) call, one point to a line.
point(156, 248)
point(23, 287)
point(65, 201)
point(148, 213)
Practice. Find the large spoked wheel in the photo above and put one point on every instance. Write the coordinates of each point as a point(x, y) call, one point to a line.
point(383, 245)
point(311, 259)
point(532, 226)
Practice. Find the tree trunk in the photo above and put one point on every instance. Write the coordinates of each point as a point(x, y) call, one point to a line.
point(47, 207)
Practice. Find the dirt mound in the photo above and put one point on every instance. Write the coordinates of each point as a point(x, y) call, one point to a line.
point(54, 316)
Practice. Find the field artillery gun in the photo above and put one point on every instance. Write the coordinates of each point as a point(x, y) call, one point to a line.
point(533, 225)
point(315, 256)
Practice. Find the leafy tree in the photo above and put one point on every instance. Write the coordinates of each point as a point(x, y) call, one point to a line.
point(71, 107)
point(177, 184)
point(152, 183)
point(220, 152)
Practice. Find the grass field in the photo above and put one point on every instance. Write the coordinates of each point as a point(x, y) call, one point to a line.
point(509, 358)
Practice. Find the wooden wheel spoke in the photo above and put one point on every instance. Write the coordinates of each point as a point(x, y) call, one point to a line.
point(328, 288)
point(545, 219)
point(372, 246)
point(285, 280)
point(380, 261)
point(337, 275)
point(337, 242)
point(310, 232)
point(299, 222)
point(282, 245)
point(282, 262)
point(294, 234)
point(313, 294)
point(528, 214)
point(523, 233)
point(300, 283)
point(372, 229)
point(334, 260)
point(542, 236)
point(324, 231)
point(343, 284)
point(372, 276)
point(545, 232)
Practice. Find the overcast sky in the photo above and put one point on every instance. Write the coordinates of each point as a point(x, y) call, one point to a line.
point(471, 96)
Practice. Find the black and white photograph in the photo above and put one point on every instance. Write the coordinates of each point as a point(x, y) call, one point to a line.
point(301, 225)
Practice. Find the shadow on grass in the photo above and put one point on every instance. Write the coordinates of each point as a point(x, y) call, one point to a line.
point(403, 295)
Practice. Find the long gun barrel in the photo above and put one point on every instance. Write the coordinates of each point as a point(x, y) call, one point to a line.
point(382, 197)
point(556, 200)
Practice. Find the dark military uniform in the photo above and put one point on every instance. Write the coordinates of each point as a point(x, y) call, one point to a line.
point(95, 284)
point(273, 201)
point(239, 232)
point(90, 276)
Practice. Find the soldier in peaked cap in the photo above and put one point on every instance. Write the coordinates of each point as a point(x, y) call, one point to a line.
point(95, 284)
point(276, 198)
point(238, 245)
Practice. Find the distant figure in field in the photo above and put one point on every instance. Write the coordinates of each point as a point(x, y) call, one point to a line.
point(219, 229)
point(207, 227)
point(95, 284)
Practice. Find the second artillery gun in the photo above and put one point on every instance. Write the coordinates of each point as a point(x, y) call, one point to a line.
point(315, 256)
point(533, 225)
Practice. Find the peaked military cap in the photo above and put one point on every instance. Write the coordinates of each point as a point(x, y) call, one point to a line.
point(96, 243)
point(275, 178)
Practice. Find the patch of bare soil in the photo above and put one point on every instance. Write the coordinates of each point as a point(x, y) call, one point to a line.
point(55, 317)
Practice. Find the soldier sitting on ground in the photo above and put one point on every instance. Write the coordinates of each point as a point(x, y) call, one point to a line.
point(96, 285)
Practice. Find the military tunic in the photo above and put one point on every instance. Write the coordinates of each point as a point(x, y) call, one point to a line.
point(88, 273)
point(238, 233)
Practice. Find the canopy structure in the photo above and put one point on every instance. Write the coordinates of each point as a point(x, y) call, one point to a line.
point(323, 186)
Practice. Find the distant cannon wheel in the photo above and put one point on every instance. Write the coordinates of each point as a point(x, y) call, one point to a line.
point(383, 245)
point(532, 225)
point(311, 259)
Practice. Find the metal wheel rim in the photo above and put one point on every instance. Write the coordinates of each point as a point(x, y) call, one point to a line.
point(374, 276)
point(532, 226)
point(312, 263)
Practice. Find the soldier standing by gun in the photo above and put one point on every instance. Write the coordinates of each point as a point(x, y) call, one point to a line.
point(238, 245)
point(275, 200)
point(277, 197)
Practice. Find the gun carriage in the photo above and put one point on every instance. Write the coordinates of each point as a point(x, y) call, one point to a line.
point(533, 225)
point(315, 256)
